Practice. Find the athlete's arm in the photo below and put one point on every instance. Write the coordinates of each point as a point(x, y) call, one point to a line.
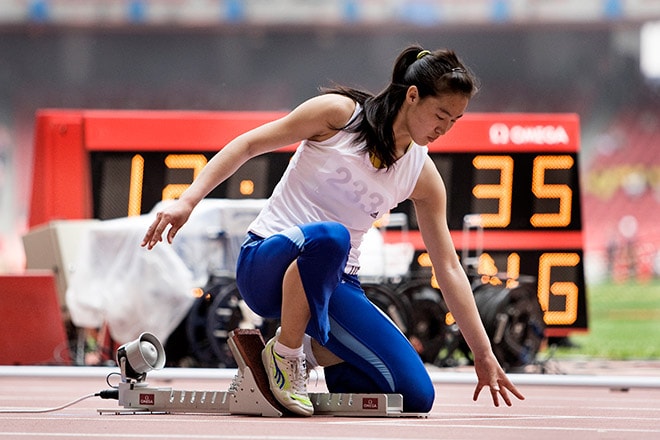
point(430, 199)
point(312, 119)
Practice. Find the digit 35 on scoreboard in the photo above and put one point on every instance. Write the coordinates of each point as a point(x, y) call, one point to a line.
point(518, 172)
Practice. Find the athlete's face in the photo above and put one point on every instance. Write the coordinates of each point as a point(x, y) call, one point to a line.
point(432, 116)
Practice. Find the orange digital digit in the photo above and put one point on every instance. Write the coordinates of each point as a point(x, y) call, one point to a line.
point(194, 161)
point(501, 191)
point(512, 270)
point(490, 273)
point(567, 289)
point(135, 186)
point(487, 265)
point(544, 190)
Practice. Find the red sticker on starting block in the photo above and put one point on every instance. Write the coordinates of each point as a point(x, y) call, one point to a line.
point(147, 399)
point(369, 403)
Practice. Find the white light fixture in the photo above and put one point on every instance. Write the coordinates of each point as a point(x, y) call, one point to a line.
point(138, 357)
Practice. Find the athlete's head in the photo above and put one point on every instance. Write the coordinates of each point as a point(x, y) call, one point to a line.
point(435, 74)
point(431, 90)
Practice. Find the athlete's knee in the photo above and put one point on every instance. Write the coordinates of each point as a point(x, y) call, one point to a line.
point(416, 386)
point(420, 399)
point(331, 237)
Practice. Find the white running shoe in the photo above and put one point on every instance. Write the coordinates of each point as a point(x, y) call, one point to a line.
point(288, 380)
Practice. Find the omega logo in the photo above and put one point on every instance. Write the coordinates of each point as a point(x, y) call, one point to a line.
point(500, 133)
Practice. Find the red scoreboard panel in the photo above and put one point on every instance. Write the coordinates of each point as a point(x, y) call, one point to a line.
point(519, 172)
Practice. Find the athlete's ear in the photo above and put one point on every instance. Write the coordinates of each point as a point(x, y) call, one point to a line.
point(412, 94)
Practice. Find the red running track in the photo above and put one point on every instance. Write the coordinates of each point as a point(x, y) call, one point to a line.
point(549, 412)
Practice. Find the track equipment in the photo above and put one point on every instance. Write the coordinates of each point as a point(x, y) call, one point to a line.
point(248, 394)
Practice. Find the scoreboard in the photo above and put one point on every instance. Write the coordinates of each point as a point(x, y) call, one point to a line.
point(518, 172)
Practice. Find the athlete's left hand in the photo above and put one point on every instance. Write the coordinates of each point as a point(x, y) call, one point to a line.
point(490, 374)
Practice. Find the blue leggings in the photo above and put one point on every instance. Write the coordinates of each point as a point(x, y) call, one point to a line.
point(377, 356)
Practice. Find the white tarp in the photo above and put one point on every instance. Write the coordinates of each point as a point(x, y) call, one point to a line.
point(132, 290)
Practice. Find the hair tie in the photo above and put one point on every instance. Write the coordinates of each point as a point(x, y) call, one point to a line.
point(458, 70)
point(422, 54)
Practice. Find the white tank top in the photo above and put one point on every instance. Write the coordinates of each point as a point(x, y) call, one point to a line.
point(333, 180)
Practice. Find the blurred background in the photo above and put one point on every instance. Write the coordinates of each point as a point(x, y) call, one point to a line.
point(597, 58)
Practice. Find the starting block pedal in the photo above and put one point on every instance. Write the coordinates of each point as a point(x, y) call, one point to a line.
point(249, 393)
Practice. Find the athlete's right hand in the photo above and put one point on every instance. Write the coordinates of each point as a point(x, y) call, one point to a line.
point(174, 215)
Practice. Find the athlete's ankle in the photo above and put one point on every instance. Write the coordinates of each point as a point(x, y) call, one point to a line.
point(288, 352)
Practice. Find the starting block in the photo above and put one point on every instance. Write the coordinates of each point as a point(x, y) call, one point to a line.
point(249, 393)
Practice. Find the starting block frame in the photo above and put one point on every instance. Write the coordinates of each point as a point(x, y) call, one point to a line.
point(249, 393)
